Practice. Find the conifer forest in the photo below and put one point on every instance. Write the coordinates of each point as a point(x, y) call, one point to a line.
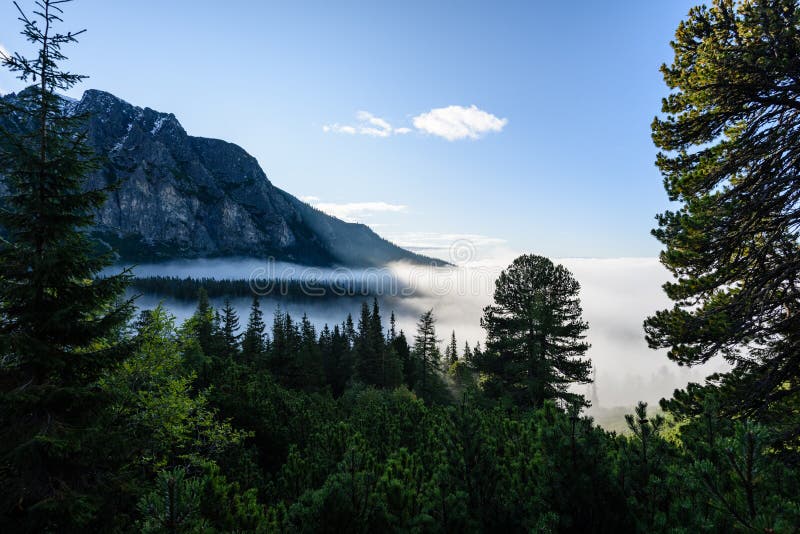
point(119, 417)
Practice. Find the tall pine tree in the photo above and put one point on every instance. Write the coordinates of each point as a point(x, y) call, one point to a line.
point(729, 142)
point(535, 334)
point(253, 342)
point(451, 352)
point(230, 329)
point(426, 356)
point(58, 316)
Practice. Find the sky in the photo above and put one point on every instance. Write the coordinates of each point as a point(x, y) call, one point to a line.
point(519, 126)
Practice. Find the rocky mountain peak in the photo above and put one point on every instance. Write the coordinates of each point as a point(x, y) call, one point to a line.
point(180, 196)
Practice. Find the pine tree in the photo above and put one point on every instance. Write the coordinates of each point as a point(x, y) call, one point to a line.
point(230, 328)
point(467, 353)
point(217, 349)
point(308, 361)
point(283, 348)
point(337, 359)
point(201, 326)
point(392, 329)
point(426, 354)
point(366, 358)
point(279, 342)
point(328, 357)
point(729, 140)
point(253, 343)
point(535, 334)
point(387, 370)
point(204, 322)
point(376, 363)
point(60, 317)
point(402, 349)
point(451, 352)
point(349, 331)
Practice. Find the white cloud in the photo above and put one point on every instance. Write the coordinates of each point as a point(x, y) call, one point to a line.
point(451, 123)
point(458, 122)
point(4, 52)
point(460, 249)
point(337, 128)
point(310, 199)
point(617, 294)
point(368, 124)
point(442, 241)
point(354, 211)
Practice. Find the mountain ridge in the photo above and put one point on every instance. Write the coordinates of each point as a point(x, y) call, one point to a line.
point(182, 196)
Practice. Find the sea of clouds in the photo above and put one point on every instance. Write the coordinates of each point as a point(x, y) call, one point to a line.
point(617, 294)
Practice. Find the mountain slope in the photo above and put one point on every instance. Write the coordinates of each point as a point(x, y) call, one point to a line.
point(181, 196)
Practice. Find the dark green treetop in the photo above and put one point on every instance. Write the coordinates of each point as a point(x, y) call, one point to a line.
point(730, 142)
point(535, 334)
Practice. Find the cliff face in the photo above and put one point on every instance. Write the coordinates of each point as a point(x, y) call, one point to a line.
point(181, 196)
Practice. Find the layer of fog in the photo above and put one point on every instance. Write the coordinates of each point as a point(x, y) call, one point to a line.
point(616, 294)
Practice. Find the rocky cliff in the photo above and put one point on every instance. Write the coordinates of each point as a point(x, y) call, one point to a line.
point(180, 196)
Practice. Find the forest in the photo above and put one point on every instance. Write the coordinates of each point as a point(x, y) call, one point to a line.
point(116, 419)
point(187, 288)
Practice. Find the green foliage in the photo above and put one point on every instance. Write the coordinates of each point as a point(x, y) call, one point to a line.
point(152, 402)
point(60, 320)
point(535, 333)
point(254, 344)
point(251, 454)
point(229, 333)
point(426, 358)
point(729, 142)
point(174, 506)
point(451, 351)
point(376, 364)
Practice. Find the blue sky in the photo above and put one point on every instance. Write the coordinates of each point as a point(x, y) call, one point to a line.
point(570, 90)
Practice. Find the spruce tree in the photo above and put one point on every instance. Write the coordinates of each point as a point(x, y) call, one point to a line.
point(349, 330)
point(337, 358)
point(535, 334)
point(253, 343)
point(328, 357)
point(376, 364)
point(217, 349)
point(387, 373)
point(467, 353)
point(392, 328)
point(60, 316)
point(391, 370)
point(281, 353)
point(307, 363)
point(283, 361)
point(230, 328)
point(203, 322)
point(451, 353)
point(366, 358)
point(402, 349)
point(426, 356)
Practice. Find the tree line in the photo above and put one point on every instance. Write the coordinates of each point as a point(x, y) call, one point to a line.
point(186, 288)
